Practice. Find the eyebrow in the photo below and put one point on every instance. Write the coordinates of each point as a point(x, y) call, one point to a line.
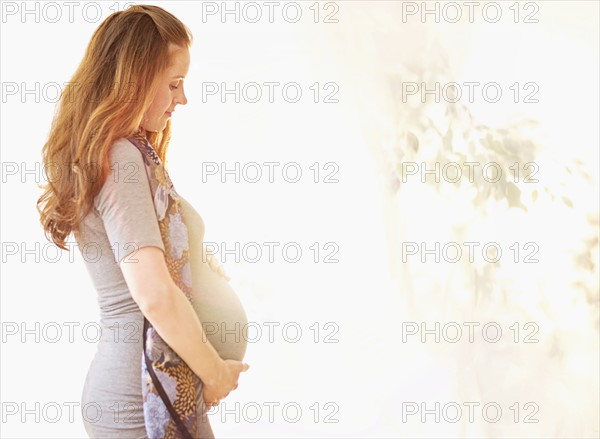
point(178, 77)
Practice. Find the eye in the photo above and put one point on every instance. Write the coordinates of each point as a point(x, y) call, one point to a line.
point(173, 87)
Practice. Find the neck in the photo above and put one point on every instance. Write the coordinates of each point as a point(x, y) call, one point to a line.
point(141, 133)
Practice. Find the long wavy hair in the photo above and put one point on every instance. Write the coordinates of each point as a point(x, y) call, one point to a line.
point(105, 100)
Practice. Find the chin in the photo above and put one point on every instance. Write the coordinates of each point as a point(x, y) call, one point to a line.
point(157, 129)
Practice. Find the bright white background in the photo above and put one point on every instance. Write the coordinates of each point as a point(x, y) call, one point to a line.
point(370, 372)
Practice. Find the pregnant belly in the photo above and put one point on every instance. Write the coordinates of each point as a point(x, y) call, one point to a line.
point(219, 309)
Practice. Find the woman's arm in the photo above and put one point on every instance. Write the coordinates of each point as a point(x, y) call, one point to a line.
point(170, 312)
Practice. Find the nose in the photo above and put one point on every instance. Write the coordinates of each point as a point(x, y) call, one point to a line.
point(181, 98)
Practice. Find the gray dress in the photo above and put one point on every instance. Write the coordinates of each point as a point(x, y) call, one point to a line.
point(123, 220)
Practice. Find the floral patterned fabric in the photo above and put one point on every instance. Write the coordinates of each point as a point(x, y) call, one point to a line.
point(170, 388)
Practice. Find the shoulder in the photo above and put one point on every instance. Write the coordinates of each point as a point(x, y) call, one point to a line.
point(126, 176)
point(125, 163)
point(124, 150)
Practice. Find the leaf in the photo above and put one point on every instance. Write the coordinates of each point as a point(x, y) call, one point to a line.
point(567, 201)
point(513, 195)
point(585, 262)
point(534, 195)
point(413, 141)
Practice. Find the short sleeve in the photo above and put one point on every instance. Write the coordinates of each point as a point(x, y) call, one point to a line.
point(125, 203)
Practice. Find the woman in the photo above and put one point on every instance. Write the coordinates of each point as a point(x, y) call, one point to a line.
point(116, 112)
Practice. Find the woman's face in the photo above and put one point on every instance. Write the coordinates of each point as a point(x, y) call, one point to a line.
point(170, 90)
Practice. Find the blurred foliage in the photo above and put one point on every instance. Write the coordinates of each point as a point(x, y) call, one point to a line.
point(430, 132)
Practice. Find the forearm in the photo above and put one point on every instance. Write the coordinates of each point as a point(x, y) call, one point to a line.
point(178, 324)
